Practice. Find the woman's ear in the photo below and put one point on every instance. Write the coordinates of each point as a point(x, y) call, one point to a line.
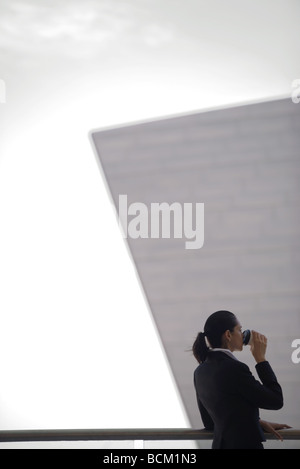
point(227, 336)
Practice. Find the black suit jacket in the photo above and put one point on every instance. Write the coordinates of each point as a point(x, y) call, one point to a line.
point(229, 398)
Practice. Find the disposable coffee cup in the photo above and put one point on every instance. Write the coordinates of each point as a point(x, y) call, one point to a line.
point(247, 337)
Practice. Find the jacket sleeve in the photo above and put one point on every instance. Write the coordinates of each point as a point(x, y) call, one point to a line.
point(266, 394)
point(206, 418)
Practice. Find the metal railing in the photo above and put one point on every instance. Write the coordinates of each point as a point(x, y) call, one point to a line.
point(121, 434)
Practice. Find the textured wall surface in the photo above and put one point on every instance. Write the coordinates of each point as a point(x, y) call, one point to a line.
point(243, 163)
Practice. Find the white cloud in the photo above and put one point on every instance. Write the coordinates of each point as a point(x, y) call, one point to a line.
point(34, 25)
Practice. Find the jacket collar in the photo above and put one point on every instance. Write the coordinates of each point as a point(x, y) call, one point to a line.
point(221, 353)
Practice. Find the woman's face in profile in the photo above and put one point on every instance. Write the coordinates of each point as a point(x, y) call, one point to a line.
point(236, 342)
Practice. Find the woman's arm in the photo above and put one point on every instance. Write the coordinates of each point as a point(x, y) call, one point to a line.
point(266, 394)
point(206, 418)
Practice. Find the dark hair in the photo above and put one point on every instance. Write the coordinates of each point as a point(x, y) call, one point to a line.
point(214, 328)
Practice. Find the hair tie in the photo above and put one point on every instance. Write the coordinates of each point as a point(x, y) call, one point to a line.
point(208, 345)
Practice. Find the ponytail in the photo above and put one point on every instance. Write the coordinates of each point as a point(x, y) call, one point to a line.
point(214, 328)
point(200, 349)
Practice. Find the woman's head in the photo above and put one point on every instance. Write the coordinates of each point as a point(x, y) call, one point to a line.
point(221, 330)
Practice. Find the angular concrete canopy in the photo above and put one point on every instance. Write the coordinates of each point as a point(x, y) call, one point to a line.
point(243, 163)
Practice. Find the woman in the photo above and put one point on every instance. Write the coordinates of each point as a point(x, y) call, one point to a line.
point(228, 395)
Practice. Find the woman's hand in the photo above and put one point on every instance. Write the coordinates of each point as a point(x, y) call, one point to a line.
point(258, 346)
point(270, 427)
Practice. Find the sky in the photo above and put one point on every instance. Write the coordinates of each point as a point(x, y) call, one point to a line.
point(79, 348)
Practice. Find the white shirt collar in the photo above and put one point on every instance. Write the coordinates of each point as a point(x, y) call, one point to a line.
point(224, 350)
